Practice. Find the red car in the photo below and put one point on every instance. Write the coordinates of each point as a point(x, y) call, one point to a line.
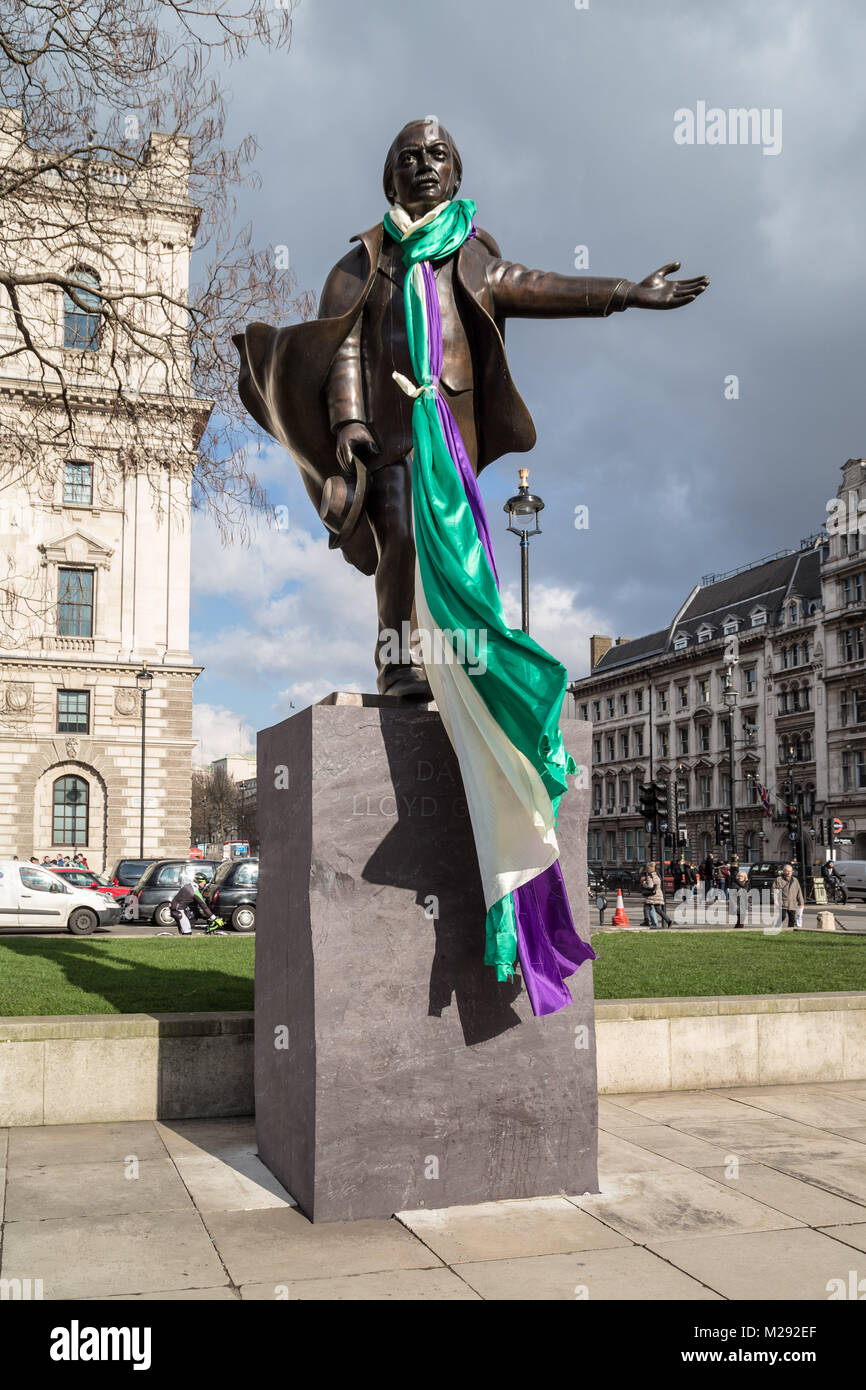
point(86, 878)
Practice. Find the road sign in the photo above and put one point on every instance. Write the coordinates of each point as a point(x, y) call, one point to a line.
point(838, 827)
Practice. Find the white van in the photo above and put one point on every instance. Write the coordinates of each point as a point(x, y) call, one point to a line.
point(852, 873)
point(31, 896)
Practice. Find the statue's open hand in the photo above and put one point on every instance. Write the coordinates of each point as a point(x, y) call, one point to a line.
point(350, 438)
point(655, 292)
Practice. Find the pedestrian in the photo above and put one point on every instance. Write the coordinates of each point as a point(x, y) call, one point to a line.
point(708, 868)
point(33, 859)
point(679, 874)
point(740, 896)
point(725, 880)
point(181, 907)
point(655, 898)
point(789, 896)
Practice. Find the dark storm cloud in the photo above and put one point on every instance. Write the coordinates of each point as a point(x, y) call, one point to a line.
point(564, 120)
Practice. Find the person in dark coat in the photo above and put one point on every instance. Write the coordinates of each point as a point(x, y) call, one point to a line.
point(325, 388)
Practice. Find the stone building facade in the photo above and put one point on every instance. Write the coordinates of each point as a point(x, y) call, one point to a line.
point(794, 625)
point(101, 555)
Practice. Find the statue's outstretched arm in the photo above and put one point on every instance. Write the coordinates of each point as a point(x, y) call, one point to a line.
point(522, 293)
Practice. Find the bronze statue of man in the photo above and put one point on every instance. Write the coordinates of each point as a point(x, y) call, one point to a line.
point(326, 388)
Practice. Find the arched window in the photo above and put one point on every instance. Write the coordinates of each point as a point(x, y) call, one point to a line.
point(706, 845)
point(750, 845)
point(81, 314)
point(71, 805)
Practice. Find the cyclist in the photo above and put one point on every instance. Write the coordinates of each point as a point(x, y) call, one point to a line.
point(832, 882)
point(183, 912)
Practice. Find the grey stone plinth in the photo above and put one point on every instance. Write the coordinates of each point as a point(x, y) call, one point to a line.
point(392, 1070)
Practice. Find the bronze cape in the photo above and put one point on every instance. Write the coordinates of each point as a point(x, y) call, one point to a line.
point(284, 372)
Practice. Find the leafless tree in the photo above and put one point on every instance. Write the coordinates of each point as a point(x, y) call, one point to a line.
point(111, 107)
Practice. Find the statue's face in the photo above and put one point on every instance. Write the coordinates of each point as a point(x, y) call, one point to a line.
point(423, 172)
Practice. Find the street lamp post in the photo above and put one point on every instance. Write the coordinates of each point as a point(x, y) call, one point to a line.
point(144, 681)
point(523, 510)
point(730, 698)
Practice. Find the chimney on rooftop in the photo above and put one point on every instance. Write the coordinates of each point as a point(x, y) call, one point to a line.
point(597, 648)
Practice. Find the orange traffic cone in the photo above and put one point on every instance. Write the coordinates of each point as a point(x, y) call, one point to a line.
point(620, 917)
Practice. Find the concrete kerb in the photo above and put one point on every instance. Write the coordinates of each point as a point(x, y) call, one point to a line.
point(98, 1067)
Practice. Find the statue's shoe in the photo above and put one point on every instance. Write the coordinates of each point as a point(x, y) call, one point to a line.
point(405, 682)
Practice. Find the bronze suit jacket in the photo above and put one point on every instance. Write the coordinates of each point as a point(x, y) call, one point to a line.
point(287, 385)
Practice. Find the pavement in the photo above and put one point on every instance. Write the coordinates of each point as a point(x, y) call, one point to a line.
point(849, 918)
point(749, 1193)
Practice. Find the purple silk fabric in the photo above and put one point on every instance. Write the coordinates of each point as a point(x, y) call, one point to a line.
point(548, 947)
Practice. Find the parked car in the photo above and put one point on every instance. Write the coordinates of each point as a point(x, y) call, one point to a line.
point(231, 893)
point(161, 880)
point(626, 879)
point(763, 876)
point(127, 872)
point(86, 878)
point(31, 896)
point(852, 874)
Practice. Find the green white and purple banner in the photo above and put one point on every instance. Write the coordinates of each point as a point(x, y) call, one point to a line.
point(502, 715)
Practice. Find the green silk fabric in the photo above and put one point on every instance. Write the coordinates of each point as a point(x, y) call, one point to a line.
point(523, 685)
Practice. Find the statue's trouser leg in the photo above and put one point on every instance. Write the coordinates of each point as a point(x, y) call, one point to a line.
point(389, 509)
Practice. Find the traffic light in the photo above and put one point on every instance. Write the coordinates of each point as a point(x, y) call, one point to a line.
point(660, 798)
point(647, 800)
point(723, 826)
point(791, 818)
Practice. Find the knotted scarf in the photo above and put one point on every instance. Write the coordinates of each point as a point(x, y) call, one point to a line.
point(498, 692)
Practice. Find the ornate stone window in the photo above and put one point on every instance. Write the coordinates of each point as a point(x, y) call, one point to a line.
point(78, 484)
point(73, 711)
point(81, 312)
point(70, 811)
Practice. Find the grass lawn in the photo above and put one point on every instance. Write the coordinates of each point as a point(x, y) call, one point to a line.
point(661, 964)
point(118, 975)
point(62, 975)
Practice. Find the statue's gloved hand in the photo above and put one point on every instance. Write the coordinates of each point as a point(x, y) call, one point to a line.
point(655, 292)
point(350, 438)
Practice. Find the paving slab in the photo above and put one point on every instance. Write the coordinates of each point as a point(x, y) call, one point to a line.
point(792, 1264)
point(231, 1182)
point(812, 1205)
point(629, 1273)
point(812, 1107)
point(280, 1245)
point(846, 1177)
point(77, 1258)
point(775, 1140)
point(94, 1190)
point(622, 1157)
point(223, 1295)
point(219, 1138)
point(673, 1144)
point(686, 1203)
point(33, 1145)
point(506, 1230)
point(854, 1235)
point(666, 1107)
point(4, 1142)
point(613, 1117)
point(404, 1286)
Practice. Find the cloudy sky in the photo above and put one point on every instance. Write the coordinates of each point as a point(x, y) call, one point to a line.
point(565, 120)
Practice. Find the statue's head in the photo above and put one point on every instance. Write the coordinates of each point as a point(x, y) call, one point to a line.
point(423, 167)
